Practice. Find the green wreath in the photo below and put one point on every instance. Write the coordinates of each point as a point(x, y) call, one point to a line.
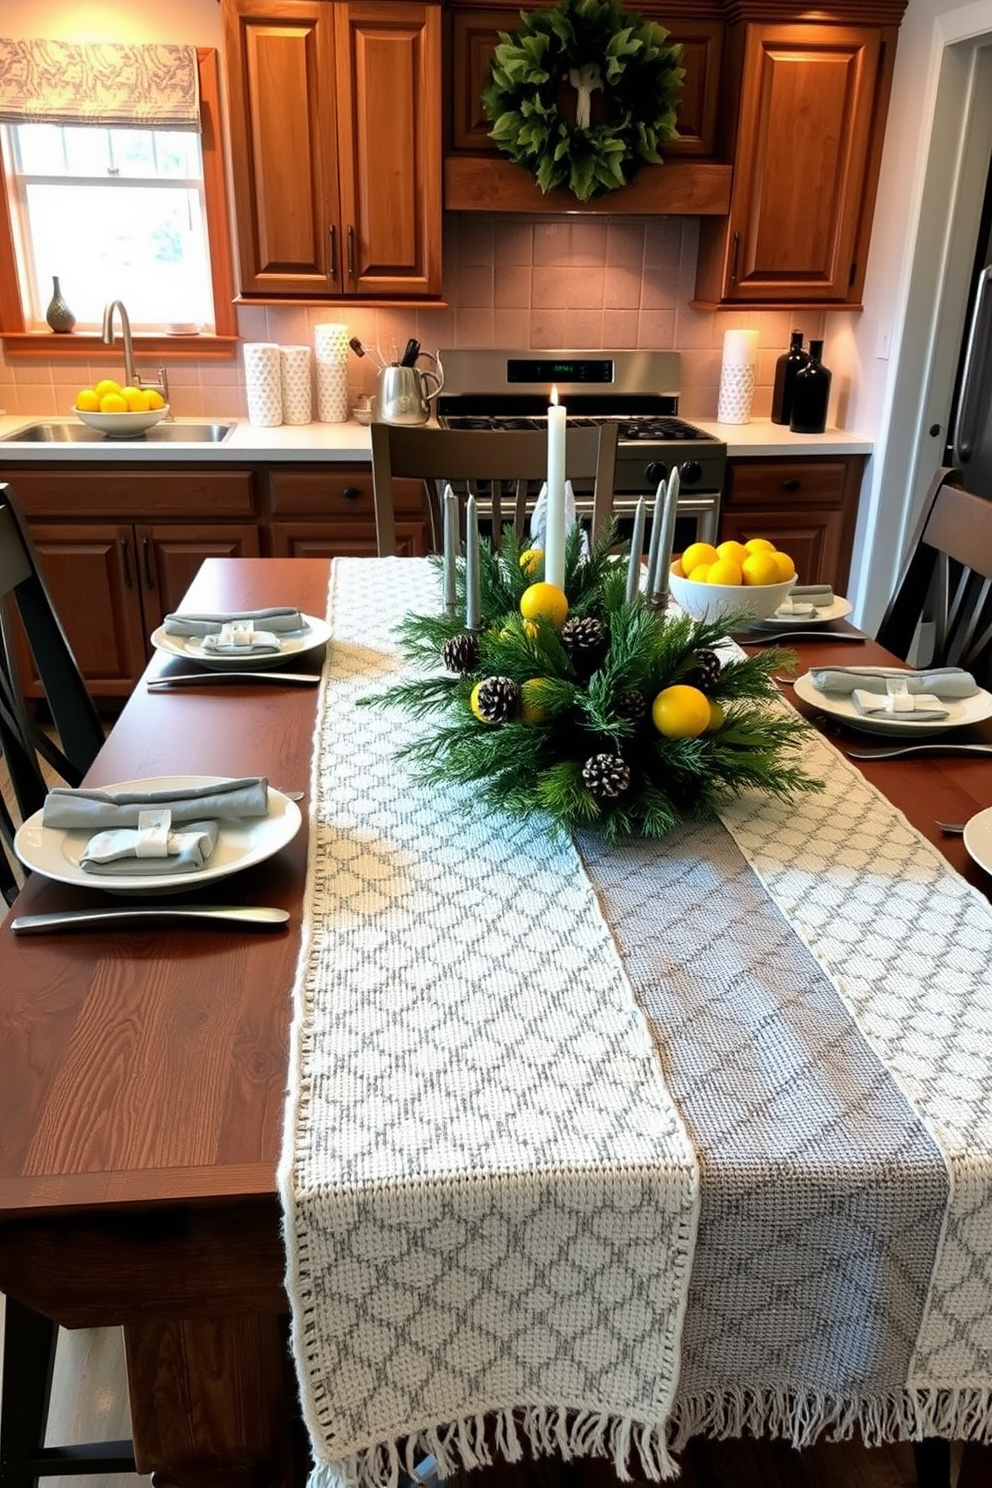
point(583, 47)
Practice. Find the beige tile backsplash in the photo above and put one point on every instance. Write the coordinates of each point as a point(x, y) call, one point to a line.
point(587, 283)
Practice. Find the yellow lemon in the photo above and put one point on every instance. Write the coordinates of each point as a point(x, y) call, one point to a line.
point(473, 702)
point(112, 403)
point(106, 385)
point(701, 573)
point(732, 549)
point(786, 567)
point(531, 560)
point(136, 399)
point(681, 712)
point(153, 399)
point(544, 602)
point(723, 571)
point(760, 568)
point(88, 400)
point(716, 718)
point(759, 545)
point(695, 554)
point(532, 709)
point(678, 570)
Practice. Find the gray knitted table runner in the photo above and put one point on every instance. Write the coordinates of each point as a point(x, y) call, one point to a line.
point(692, 1137)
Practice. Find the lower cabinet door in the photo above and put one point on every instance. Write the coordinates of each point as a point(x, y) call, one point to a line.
point(346, 539)
point(169, 558)
point(92, 574)
point(813, 540)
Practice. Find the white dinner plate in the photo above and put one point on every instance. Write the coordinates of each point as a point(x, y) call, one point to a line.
point(836, 611)
point(291, 644)
point(240, 843)
point(960, 711)
point(978, 838)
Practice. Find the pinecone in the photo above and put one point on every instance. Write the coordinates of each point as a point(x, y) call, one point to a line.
point(461, 652)
point(606, 775)
point(706, 672)
point(498, 699)
point(585, 639)
point(631, 706)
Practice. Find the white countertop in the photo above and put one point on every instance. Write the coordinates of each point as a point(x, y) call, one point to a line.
point(352, 442)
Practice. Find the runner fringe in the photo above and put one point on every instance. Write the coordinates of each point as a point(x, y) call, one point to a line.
point(638, 1450)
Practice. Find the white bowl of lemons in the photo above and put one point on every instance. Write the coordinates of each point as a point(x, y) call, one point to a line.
point(746, 579)
point(121, 412)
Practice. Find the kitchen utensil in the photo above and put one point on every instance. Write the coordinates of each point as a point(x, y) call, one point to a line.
point(410, 353)
point(248, 916)
point(368, 351)
point(405, 393)
point(788, 636)
point(205, 679)
point(937, 747)
point(952, 829)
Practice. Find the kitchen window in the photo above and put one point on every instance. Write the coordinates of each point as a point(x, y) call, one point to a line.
point(137, 214)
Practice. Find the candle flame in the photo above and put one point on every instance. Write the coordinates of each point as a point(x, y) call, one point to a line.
point(554, 394)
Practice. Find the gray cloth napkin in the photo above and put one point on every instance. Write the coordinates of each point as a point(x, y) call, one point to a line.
point(278, 619)
point(820, 595)
point(914, 706)
point(100, 810)
point(943, 682)
point(115, 852)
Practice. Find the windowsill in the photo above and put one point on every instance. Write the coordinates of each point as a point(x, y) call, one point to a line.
point(54, 346)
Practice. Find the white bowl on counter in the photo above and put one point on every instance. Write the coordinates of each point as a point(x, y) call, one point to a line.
point(123, 425)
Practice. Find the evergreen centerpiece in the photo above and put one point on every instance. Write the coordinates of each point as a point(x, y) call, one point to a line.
point(596, 709)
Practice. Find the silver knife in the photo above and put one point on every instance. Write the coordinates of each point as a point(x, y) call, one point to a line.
point(248, 915)
point(207, 679)
point(935, 748)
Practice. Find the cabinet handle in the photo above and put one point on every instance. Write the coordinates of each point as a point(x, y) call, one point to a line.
point(792, 484)
point(351, 251)
point(126, 562)
point(146, 553)
point(737, 254)
point(332, 241)
point(350, 493)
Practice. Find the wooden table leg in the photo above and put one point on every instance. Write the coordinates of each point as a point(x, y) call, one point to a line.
point(932, 1457)
point(212, 1402)
point(976, 1466)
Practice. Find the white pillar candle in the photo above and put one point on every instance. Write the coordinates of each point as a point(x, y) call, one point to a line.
point(473, 611)
point(636, 544)
point(450, 549)
point(554, 532)
point(658, 594)
point(740, 348)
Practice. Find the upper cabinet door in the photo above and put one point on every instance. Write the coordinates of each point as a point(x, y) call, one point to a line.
point(809, 137)
point(280, 83)
point(389, 146)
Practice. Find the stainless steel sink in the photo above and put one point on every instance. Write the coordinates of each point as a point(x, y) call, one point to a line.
point(164, 433)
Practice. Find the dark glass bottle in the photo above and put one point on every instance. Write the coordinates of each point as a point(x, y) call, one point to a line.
point(786, 368)
point(811, 394)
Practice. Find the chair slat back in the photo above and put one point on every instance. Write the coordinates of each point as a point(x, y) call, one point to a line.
point(946, 583)
point(505, 460)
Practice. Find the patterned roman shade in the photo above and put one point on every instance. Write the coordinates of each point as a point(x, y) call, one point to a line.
point(127, 86)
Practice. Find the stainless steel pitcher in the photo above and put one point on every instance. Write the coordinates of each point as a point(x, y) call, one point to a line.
point(405, 392)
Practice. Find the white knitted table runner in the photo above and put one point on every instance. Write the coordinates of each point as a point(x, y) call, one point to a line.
point(492, 1186)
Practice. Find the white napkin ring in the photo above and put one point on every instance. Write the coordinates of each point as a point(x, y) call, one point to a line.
point(236, 633)
point(154, 827)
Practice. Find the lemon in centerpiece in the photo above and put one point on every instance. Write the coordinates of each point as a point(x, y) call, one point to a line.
point(681, 712)
point(531, 560)
point(544, 602)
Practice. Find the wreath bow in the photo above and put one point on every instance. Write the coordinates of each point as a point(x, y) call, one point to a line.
point(593, 45)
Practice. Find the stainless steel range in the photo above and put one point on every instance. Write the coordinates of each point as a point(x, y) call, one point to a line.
point(639, 390)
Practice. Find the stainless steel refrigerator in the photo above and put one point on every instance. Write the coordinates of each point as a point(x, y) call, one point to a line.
point(970, 442)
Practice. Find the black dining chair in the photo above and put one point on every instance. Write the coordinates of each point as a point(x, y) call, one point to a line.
point(941, 612)
point(509, 463)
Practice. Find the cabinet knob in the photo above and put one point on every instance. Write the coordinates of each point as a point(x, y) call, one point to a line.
point(350, 493)
point(792, 484)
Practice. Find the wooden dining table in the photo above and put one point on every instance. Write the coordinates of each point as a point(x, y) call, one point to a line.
point(143, 1072)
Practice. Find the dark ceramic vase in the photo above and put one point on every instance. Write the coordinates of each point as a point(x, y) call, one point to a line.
point(58, 314)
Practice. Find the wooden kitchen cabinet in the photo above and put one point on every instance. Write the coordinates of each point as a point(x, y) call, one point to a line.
point(806, 507)
point(335, 117)
point(120, 548)
point(327, 511)
point(808, 141)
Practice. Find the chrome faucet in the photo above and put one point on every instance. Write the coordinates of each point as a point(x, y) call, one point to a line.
point(132, 377)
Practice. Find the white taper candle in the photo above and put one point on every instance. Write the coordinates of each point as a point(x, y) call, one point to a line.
point(473, 611)
point(554, 532)
point(450, 549)
point(657, 518)
point(636, 546)
point(658, 595)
